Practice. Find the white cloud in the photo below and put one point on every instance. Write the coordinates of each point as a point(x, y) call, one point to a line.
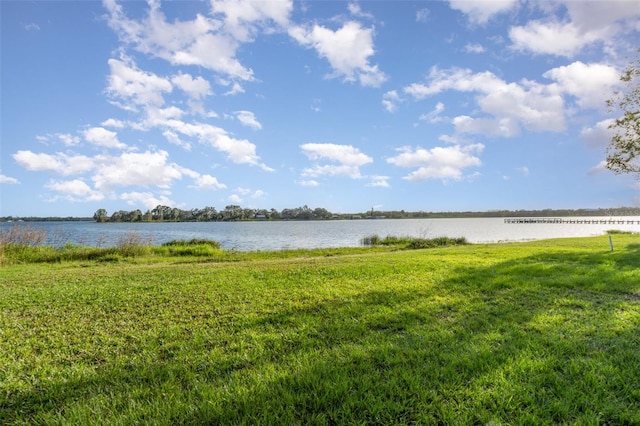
point(474, 48)
point(479, 12)
point(601, 167)
point(59, 163)
point(534, 106)
point(67, 139)
point(434, 116)
point(390, 100)
point(208, 182)
point(243, 18)
point(192, 42)
point(356, 10)
point(158, 117)
point(235, 89)
point(248, 119)
point(591, 84)
point(134, 86)
point(379, 181)
point(8, 179)
point(554, 38)
point(112, 122)
point(346, 160)
point(347, 49)
point(235, 198)
point(598, 135)
point(437, 163)
point(240, 151)
point(75, 190)
point(309, 182)
point(195, 88)
point(149, 168)
point(586, 23)
point(32, 27)
point(100, 136)
point(172, 137)
point(148, 199)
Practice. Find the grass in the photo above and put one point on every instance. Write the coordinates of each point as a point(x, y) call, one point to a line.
point(544, 332)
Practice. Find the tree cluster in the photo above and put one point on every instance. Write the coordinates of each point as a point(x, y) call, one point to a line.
point(232, 213)
point(210, 214)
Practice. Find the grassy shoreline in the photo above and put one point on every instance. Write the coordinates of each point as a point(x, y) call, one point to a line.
point(543, 332)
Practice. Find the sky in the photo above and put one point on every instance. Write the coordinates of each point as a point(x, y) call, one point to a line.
point(348, 106)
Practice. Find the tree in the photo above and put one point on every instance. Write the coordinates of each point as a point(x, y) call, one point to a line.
point(100, 216)
point(623, 153)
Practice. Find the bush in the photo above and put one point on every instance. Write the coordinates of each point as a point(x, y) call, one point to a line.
point(370, 241)
point(194, 247)
point(412, 243)
point(192, 242)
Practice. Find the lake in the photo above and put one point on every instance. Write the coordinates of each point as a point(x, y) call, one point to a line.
point(249, 236)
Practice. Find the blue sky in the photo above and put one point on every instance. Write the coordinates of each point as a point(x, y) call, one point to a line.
point(414, 105)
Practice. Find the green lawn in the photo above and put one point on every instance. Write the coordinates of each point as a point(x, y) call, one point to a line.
point(533, 333)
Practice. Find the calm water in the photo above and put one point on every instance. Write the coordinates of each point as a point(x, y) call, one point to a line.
point(247, 236)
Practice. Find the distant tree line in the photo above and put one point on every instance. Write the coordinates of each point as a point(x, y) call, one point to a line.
point(237, 213)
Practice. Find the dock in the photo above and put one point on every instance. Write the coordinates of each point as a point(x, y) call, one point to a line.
point(575, 220)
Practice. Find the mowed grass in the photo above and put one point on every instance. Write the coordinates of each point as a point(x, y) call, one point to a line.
point(533, 333)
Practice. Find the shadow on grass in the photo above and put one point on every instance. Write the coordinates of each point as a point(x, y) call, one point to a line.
point(547, 339)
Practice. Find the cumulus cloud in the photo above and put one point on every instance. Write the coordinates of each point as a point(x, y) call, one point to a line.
point(555, 38)
point(344, 160)
point(191, 42)
point(195, 88)
point(480, 12)
point(243, 18)
point(208, 182)
point(114, 123)
point(134, 86)
point(240, 151)
point(67, 139)
point(74, 190)
point(565, 30)
point(59, 163)
point(149, 168)
point(443, 163)
point(8, 179)
point(598, 135)
point(590, 84)
point(347, 49)
point(100, 136)
point(509, 106)
point(390, 100)
point(248, 118)
point(379, 181)
point(148, 199)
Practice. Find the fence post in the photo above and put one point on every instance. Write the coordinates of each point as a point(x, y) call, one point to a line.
point(610, 242)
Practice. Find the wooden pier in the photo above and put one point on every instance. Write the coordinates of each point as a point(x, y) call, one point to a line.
point(576, 220)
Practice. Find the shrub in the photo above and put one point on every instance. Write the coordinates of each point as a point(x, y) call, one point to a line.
point(132, 244)
point(370, 241)
point(412, 243)
point(192, 242)
point(194, 247)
